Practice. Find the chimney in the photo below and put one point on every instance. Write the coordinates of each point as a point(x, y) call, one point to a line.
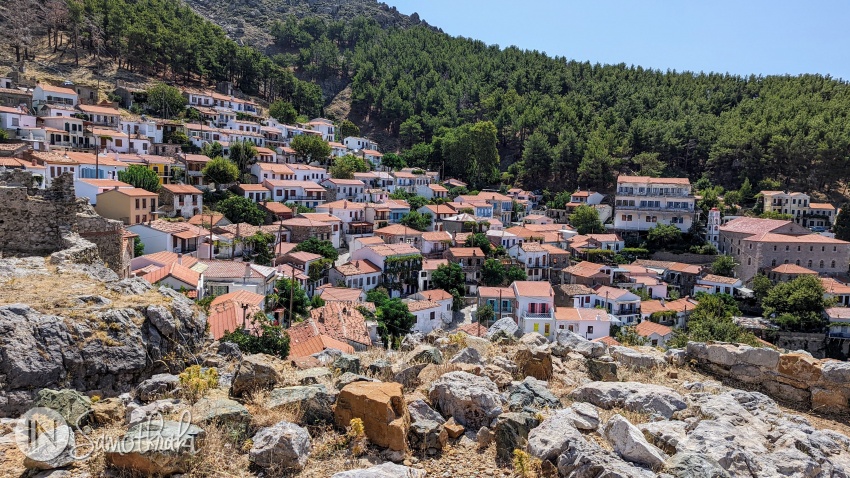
point(247, 272)
point(179, 258)
point(321, 317)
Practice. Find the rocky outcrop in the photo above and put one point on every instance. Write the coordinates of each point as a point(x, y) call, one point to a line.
point(156, 448)
point(531, 395)
point(101, 349)
point(72, 405)
point(384, 470)
point(381, 407)
point(347, 363)
point(313, 403)
point(634, 359)
point(157, 387)
point(634, 396)
point(566, 342)
point(427, 433)
point(511, 433)
point(505, 327)
point(256, 372)
point(534, 362)
point(629, 443)
point(471, 400)
point(284, 445)
point(227, 414)
point(795, 377)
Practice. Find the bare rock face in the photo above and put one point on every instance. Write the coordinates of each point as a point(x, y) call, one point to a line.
point(384, 470)
point(284, 444)
point(108, 351)
point(534, 362)
point(629, 443)
point(634, 396)
point(381, 407)
point(471, 400)
point(256, 372)
point(156, 448)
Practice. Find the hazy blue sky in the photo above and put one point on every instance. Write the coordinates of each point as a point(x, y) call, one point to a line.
point(741, 37)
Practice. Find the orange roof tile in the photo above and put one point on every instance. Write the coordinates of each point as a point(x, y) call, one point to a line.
point(436, 294)
point(344, 294)
point(607, 340)
point(339, 320)
point(475, 329)
point(240, 297)
point(181, 189)
point(419, 305)
point(720, 279)
point(647, 328)
point(583, 314)
point(353, 268)
point(792, 269)
point(315, 344)
point(533, 289)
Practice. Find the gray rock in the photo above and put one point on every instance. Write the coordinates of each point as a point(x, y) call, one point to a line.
point(157, 387)
point(411, 341)
point(313, 402)
point(347, 363)
point(138, 413)
point(425, 354)
point(156, 448)
point(229, 350)
point(484, 437)
point(40, 454)
point(471, 400)
point(566, 342)
point(836, 372)
point(161, 319)
point(634, 359)
point(505, 364)
point(601, 370)
point(583, 415)
point(676, 357)
point(327, 356)
point(409, 376)
point(764, 357)
point(534, 339)
point(349, 377)
point(693, 465)
point(511, 432)
point(381, 369)
point(312, 376)
point(71, 404)
point(427, 433)
point(629, 443)
point(384, 470)
point(530, 395)
point(468, 355)
point(227, 414)
point(634, 396)
point(255, 372)
point(505, 326)
point(667, 435)
point(284, 445)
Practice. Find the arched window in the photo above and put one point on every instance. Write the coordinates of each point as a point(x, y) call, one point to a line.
point(821, 264)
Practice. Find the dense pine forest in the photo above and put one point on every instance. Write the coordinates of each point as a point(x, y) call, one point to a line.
point(442, 101)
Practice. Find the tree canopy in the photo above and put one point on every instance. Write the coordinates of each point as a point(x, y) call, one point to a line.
point(141, 177)
point(312, 147)
point(797, 304)
point(220, 171)
point(289, 296)
point(344, 167)
point(723, 266)
point(711, 320)
point(283, 111)
point(165, 101)
point(585, 220)
point(416, 220)
point(241, 209)
point(318, 246)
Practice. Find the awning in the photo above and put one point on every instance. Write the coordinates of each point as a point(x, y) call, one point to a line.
point(744, 292)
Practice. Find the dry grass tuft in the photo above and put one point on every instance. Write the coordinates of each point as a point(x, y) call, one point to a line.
point(219, 456)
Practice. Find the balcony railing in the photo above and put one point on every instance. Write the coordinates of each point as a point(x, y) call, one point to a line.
point(657, 208)
point(537, 315)
point(626, 192)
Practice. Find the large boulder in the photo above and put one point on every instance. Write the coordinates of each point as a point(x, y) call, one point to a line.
point(283, 445)
point(382, 408)
point(49, 450)
point(566, 342)
point(157, 387)
point(384, 470)
point(156, 447)
point(629, 443)
point(347, 363)
point(534, 339)
point(530, 395)
point(229, 415)
point(473, 401)
point(468, 355)
point(425, 354)
point(427, 433)
point(634, 359)
point(583, 416)
point(314, 403)
point(313, 375)
point(695, 465)
point(534, 362)
point(137, 413)
point(256, 372)
point(602, 370)
point(505, 327)
point(381, 369)
point(511, 433)
point(72, 405)
point(349, 377)
point(633, 396)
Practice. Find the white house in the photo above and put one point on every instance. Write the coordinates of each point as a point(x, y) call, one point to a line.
point(356, 274)
point(222, 277)
point(90, 188)
point(622, 304)
point(324, 126)
point(263, 171)
point(440, 296)
point(65, 131)
point(254, 192)
point(535, 307)
point(642, 202)
point(13, 118)
point(656, 335)
point(400, 264)
point(432, 191)
point(181, 200)
point(179, 237)
point(430, 315)
point(437, 212)
point(502, 238)
point(715, 284)
point(588, 323)
point(333, 221)
point(428, 267)
point(303, 193)
point(304, 172)
point(348, 189)
point(435, 243)
point(54, 95)
point(534, 259)
point(347, 212)
point(356, 143)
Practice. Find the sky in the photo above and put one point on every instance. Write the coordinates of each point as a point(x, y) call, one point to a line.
point(741, 37)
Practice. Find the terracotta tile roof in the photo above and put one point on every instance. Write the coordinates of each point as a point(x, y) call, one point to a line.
point(575, 289)
point(838, 312)
point(435, 294)
point(533, 289)
point(341, 204)
point(490, 292)
point(397, 230)
point(433, 264)
point(438, 188)
point(303, 256)
point(302, 222)
point(649, 307)
point(466, 252)
point(227, 317)
point(245, 187)
point(217, 269)
point(240, 297)
point(292, 183)
point(370, 240)
point(101, 183)
point(832, 286)
point(585, 269)
point(346, 182)
point(275, 208)
point(275, 168)
point(610, 292)
point(174, 227)
point(199, 219)
point(475, 329)
point(753, 225)
point(99, 110)
point(57, 89)
point(720, 279)
point(532, 247)
point(461, 237)
point(555, 250)
point(316, 344)
point(439, 209)
point(353, 268)
point(607, 340)
point(821, 205)
point(649, 180)
point(344, 294)
point(175, 270)
point(647, 328)
point(437, 236)
point(197, 158)
point(321, 217)
point(132, 192)
point(792, 269)
point(388, 250)
point(801, 239)
point(420, 305)
point(181, 189)
point(291, 272)
point(685, 268)
point(582, 314)
point(339, 320)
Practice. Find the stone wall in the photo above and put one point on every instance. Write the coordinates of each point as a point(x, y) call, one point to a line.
point(53, 221)
point(815, 344)
point(688, 258)
point(796, 377)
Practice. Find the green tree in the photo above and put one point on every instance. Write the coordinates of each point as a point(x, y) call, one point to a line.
point(515, 273)
point(165, 101)
point(344, 167)
point(317, 302)
point(537, 158)
point(311, 147)
point(141, 177)
point(283, 111)
point(723, 266)
point(628, 336)
point(597, 166)
point(261, 245)
point(746, 191)
point(416, 220)
point(220, 171)
point(347, 128)
point(449, 277)
point(394, 320)
point(663, 235)
point(377, 296)
point(761, 286)
point(138, 247)
point(842, 223)
point(243, 154)
point(711, 320)
point(289, 296)
point(493, 272)
point(4, 135)
point(799, 303)
point(480, 241)
point(211, 150)
point(649, 164)
point(323, 248)
point(485, 314)
point(585, 220)
point(241, 209)
point(416, 202)
point(268, 338)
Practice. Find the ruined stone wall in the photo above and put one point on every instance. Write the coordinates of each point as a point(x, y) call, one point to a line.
point(53, 221)
point(815, 344)
point(796, 377)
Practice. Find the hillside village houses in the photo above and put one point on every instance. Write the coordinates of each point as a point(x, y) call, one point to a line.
point(569, 286)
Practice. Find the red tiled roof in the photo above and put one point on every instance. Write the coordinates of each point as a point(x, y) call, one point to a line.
point(227, 317)
point(339, 320)
point(647, 328)
point(433, 264)
point(649, 180)
point(607, 340)
point(533, 289)
point(435, 294)
point(792, 269)
point(181, 189)
point(357, 267)
point(505, 292)
point(240, 297)
point(582, 314)
point(397, 230)
point(339, 294)
point(316, 344)
point(475, 329)
point(418, 305)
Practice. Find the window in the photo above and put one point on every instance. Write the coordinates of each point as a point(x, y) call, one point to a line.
point(773, 263)
point(833, 265)
point(810, 263)
point(545, 329)
point(749, 261)
point(137, 219)
point(137, 203)
point(15, 122)
point(589, 329)
point(821, 264)
point(570, 328)
point(537, 327)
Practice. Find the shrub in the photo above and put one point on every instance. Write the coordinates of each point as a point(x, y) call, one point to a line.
point(195, 382)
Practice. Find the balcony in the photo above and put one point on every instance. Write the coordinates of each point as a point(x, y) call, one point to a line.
point(652, 193)
point(657, 208)
point(538, 315)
